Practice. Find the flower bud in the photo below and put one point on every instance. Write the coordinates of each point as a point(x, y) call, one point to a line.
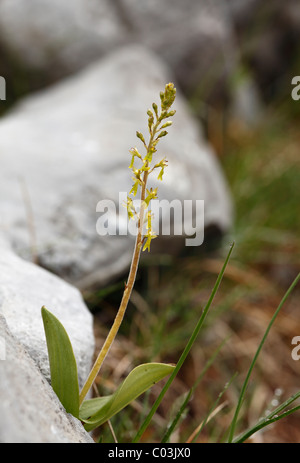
point(141, 137)
point(162, 134)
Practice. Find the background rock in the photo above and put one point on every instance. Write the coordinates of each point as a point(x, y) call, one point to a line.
point(65, 149)
point(204, 42)
point(195, 37)
point(30, 411)
point(24, 289)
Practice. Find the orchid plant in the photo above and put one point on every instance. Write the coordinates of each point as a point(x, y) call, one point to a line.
point(64, 378)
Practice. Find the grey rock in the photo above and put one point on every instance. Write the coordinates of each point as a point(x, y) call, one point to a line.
point(194, 37)
point(29, 409)
point(68, 146)
point(69, 34)
point(24, 289)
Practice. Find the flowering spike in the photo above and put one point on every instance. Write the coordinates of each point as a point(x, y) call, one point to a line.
point(140, 176)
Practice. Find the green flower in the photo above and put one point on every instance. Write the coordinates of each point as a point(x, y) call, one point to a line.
point(149, 236)
point(134, 153)
point(137, 181)
point(130, 208)
point(162, 164)
point(152, 194)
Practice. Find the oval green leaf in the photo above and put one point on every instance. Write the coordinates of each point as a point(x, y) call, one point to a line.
point(63, 367)
point(97, 411)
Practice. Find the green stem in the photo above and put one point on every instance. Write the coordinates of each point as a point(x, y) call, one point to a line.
point(127, 292)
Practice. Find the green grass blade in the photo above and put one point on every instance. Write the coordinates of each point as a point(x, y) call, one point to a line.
point(270, 418)
point(245, 384)
point(185, 352)
point(174, 423)
point(63, 367)
point(179, 414)
point(265, 423)
point(212, 408)
point(97, 411)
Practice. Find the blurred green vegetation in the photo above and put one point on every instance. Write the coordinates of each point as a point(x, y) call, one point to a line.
point(263, 171)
